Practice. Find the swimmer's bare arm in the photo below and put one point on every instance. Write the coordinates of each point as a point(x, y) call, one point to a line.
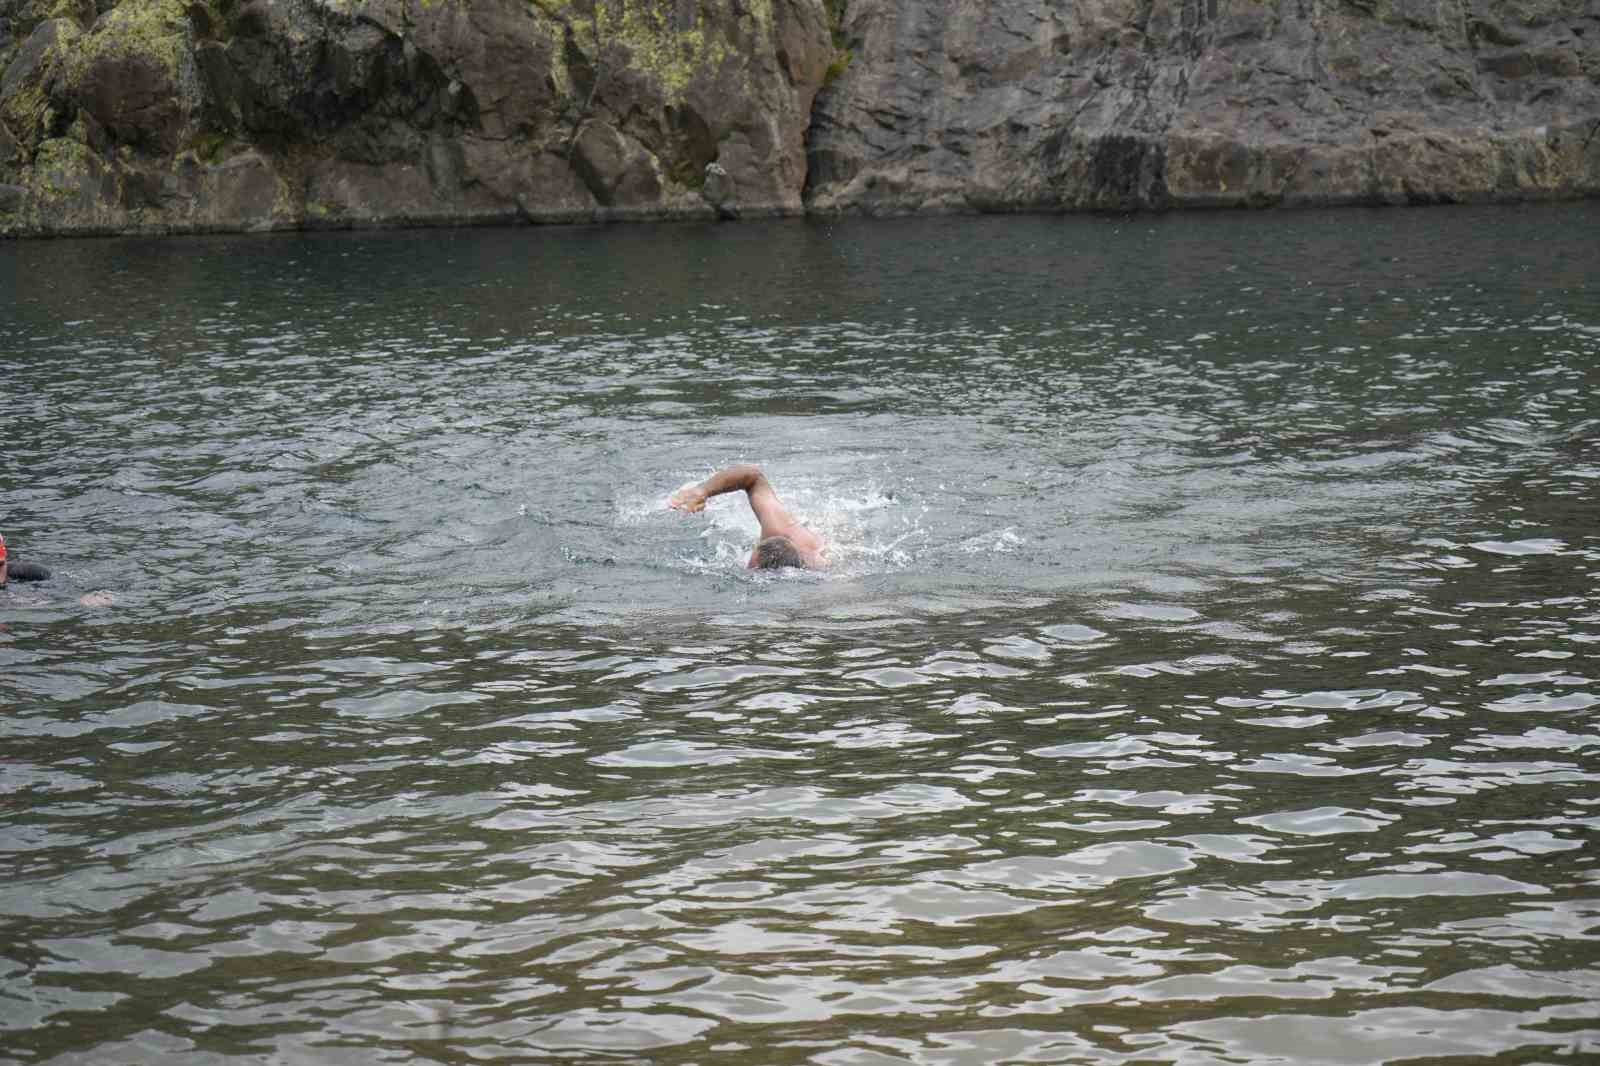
point(775, 519)
point(769, 510)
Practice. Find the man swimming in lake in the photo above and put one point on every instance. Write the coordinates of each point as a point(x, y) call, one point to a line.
point(783, 540)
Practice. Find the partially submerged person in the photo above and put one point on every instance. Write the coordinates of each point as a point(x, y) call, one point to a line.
point(18, 570)
point(783, 540)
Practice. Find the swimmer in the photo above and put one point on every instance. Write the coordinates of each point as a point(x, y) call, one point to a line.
point(20, 571)
point(783, 540)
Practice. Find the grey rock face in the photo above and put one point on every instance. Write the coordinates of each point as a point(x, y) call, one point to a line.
point(169, 115)
point(950, 105)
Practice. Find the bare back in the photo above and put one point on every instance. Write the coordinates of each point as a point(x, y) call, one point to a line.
point(776, 521)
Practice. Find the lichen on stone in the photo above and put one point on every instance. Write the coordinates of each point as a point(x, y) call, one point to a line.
point(673, 57)
point(158, 29)
point(58, 168)
point(288, 201)
point(27, 108)
point(210, 146)
point(61, 154)
point(41, 10)
point(670, 55)
point(548, 14)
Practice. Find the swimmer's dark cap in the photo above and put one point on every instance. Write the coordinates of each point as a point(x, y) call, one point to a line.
point(29, 572)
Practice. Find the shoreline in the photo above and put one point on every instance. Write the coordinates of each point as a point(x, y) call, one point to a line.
point(519, 220)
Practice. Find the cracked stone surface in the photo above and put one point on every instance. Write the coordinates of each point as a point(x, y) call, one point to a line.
point(192, 115)
point(954, 105)
point(185, 115)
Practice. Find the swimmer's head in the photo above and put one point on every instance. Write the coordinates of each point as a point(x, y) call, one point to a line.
point(777, 552)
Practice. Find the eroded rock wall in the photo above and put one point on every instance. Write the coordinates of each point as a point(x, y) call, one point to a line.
point(1115, 104)
point(181, 115)
point(220, 114)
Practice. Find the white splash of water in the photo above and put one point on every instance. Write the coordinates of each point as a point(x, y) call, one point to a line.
point(868, 529)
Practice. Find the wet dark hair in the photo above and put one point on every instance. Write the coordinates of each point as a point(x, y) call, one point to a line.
point(776, 552)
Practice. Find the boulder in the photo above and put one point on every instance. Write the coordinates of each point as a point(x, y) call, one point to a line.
point(718, 192)
point(68, 180)
point(134, 74)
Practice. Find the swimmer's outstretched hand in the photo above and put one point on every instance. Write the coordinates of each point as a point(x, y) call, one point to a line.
point(690, 499)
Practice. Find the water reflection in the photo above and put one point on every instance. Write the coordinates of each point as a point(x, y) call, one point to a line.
point(1206, 677)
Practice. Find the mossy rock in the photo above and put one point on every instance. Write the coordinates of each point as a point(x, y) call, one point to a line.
point(69, 182)
point(135, 73)
point(31, 13)
point(29, 103)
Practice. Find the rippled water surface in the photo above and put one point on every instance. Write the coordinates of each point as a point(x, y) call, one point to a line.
point(1207, 674)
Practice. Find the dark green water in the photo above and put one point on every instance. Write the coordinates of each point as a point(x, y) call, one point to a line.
point(1207, 674)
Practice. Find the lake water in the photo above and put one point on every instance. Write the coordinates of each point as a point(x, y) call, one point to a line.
point(1207, 673)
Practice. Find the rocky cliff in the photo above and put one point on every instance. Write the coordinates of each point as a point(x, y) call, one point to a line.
point(189, 115)
point(1116, 104)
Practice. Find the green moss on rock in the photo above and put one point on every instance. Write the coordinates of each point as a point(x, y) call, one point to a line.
point(836, 69)
point(210, 147)
point(59, 167)
point(157, 29)
point(27, 107)
point(669, 55)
